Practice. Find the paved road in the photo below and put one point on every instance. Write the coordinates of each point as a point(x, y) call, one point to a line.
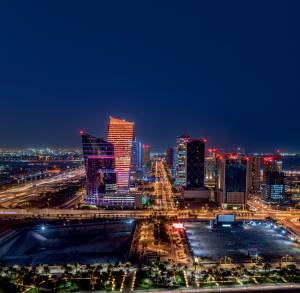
point(260, 288)
point(11, 197)
point(163, 187)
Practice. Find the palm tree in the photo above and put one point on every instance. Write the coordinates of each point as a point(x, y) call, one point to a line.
point(54, 280)
point(292, 268)
point(241, 269)
point(99, 268)
point(109, 268)
point(93, 282)
point(267, 266)
point(46, 270)
point(19, 281)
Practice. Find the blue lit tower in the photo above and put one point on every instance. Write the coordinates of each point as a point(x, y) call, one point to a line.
point(136, 159)
point(99, 162)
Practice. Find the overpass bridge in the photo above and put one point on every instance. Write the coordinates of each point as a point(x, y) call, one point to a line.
point(284, 218)
point(113, 214)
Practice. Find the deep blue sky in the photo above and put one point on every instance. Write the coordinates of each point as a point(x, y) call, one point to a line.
point(225, 70)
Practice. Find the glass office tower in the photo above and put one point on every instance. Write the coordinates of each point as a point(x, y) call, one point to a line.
point(99, 162)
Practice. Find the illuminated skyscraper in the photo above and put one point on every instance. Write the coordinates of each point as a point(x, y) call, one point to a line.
point(181, 143)
point(232, 189)
point(253, 175)
point(273, 187)
point(195, 155)
point(146, 155)
point(194, 190)
point(99, 165)
point(211, 168)
point(121, 135)
point(136, 156)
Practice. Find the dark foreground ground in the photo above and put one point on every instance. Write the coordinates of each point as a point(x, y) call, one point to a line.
point(67, 242)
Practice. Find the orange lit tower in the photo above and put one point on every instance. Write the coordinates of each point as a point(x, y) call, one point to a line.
point(121, 135)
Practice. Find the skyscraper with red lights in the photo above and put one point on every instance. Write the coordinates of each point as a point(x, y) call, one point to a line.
point(121, 135)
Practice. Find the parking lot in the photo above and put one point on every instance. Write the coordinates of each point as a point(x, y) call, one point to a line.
point(240, 241)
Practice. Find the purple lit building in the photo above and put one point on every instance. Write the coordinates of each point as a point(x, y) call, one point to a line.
point(99, 162)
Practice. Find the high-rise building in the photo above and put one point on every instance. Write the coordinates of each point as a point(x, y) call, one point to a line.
point(273, 187)
point(232, 189)
point(99, 162)
point(136, 158)
point(253, 174)
point(195, 193)
point(121, 135)
point(195, 156)
point(170, 158)
point(146, 155)
point(211, 168)
point(181, 144)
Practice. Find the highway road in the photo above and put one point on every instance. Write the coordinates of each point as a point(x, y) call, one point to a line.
point(76, 213)
point(163, 188)
point(11, 197)
point(289, 218)
point(294, 288)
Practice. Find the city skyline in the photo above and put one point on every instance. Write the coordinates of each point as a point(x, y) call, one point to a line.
point(230, 148)
point(149, 146)
point(208, 70)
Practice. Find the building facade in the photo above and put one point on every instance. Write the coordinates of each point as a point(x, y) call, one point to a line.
point(273, 187)
point(99, 163)
point(181, 144)
point(253, 174)
point(136, 158)
point(195, 157)
point(121, 135)
point(170, 158)
point(232, 183)
point(210, 171)
point(146, 155)
point(211, 168)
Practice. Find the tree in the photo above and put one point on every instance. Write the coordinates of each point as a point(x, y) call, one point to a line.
point(292, 268)
point(267, 267)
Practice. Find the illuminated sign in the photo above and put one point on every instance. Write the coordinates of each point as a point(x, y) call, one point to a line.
point(178, 226)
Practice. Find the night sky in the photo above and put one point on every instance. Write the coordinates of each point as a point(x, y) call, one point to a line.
point(225, 70)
